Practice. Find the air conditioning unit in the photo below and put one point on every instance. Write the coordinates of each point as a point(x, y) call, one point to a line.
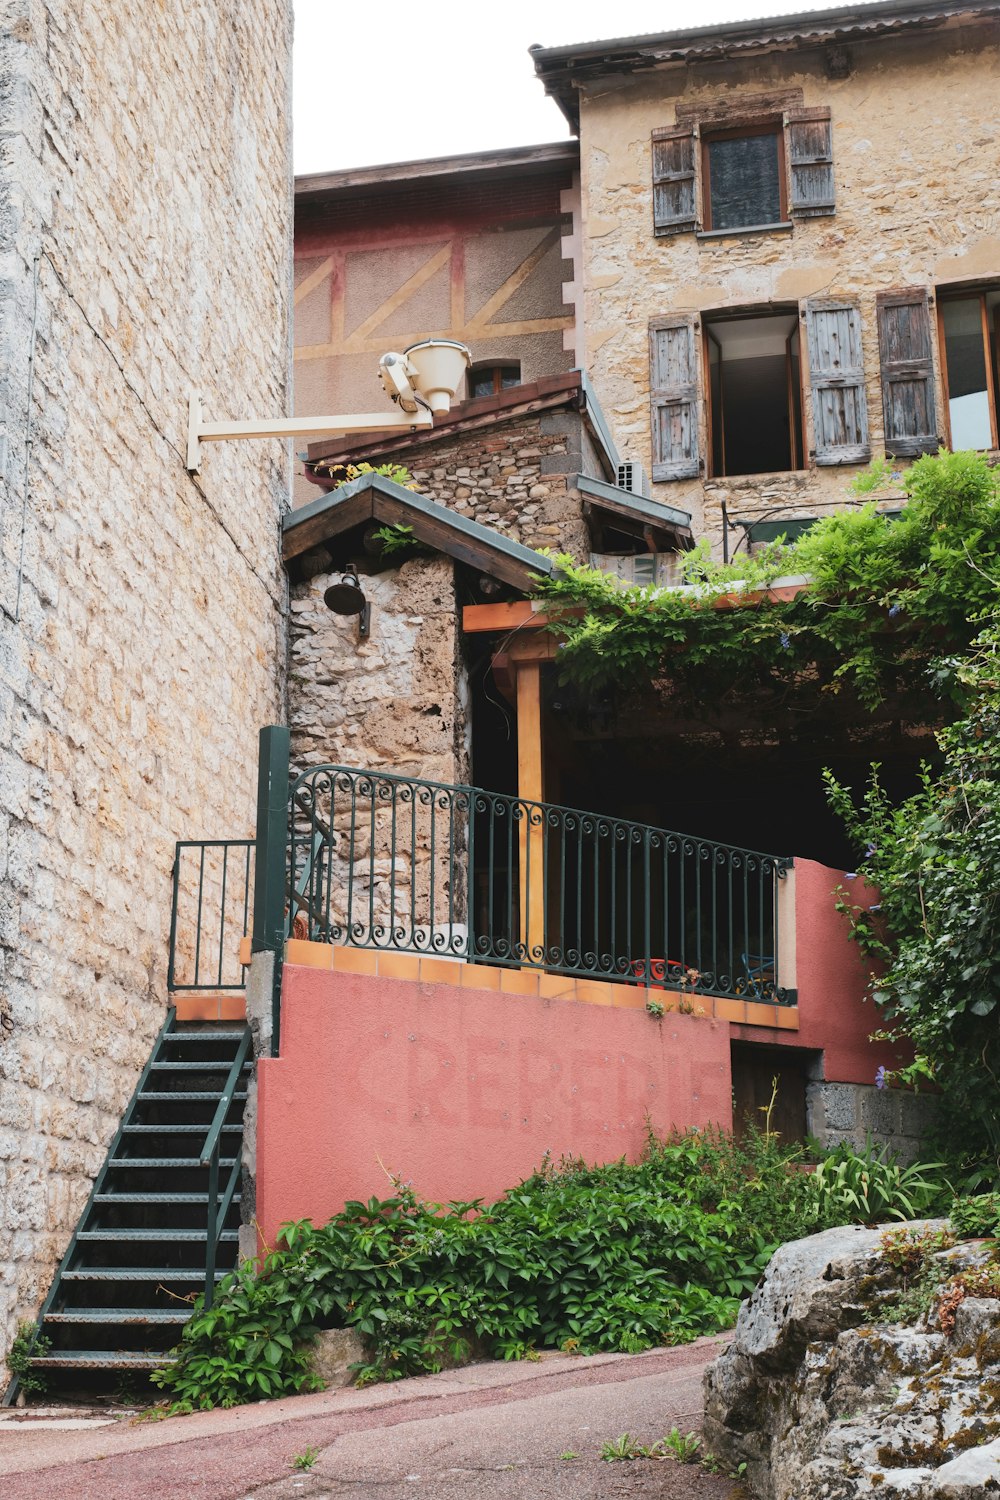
point(632, 477)
point(660, 568)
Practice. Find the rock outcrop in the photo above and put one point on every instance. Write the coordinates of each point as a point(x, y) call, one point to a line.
point(824, 1398)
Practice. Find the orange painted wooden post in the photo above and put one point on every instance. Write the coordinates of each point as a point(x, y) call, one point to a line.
point(531, 837)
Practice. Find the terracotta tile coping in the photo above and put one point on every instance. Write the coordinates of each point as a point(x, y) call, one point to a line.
point(533, 983)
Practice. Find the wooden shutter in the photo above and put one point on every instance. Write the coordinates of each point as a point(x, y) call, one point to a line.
point(674, 200)
point(810, 156)
point(673, 383)
point(904, 340)
point(837, 378)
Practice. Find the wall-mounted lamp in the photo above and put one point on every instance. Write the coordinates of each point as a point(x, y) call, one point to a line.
point(421, 381)
point(348, 598)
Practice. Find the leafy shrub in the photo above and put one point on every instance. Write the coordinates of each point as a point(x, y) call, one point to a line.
point(871, 1186)
point(976, 1218)
point(585, 1258)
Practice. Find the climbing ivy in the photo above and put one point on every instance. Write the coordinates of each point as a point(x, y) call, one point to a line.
point(883, 598)
point(935, 934)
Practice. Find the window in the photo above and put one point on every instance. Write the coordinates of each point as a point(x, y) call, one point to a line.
point(487, 380)
point(743, 179)
point(754, 394)
point(969, 337)
point(751, 377)
point(759, 173)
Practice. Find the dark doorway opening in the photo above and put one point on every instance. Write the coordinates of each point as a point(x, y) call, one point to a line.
point(769, 1089)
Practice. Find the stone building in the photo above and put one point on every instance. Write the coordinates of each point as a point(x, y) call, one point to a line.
point(145, 250)
point(790, 247)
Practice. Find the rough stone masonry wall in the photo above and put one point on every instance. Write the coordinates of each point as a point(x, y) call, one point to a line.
point(515, 478)
point(396, 702)
point(144, 235)
point(916, 139)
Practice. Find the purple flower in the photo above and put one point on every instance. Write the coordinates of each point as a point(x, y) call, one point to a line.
point(894, 610)
point(850, 874)
point(880, 1082)
point(785, 641)
point(870, 849)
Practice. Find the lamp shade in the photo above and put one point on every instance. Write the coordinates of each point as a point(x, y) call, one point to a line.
point(438, 366)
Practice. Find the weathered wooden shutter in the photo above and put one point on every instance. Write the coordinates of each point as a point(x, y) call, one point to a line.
point(673, 383)
point(837, 378)
point(674, 191)
point(810, 156)
point(904, 339)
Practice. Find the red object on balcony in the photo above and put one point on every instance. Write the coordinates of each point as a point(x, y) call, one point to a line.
point(664, 973)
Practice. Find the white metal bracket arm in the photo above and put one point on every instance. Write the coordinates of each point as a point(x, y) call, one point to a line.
point(200, 431)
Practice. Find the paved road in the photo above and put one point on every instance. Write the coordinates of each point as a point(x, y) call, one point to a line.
point(489, 1432)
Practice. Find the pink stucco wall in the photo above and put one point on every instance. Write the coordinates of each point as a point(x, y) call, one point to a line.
point(462, 1091)
point(832, 975)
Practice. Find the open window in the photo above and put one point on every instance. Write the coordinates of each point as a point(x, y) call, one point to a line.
point(754, 386)
point(969, 331)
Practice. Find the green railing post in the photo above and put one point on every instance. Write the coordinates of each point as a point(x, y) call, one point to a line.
point(271, 858)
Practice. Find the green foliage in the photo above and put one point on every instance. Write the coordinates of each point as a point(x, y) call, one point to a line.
point(913, 1255)
point(398, 538)
point(26, 1343)
point(655, 1009)
point(871, 1186)
point(305, 1460)
point(251, 1343)
point(935, 933)
point(977, 1217)
point(344, 473)
point(885, 597)
point(622, 1449)
point(684, 1447)
point(618, 1257)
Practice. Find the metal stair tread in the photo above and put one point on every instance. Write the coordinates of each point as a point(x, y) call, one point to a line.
point(207, 1036)
point(194, 1096)
point(222, 1066)
point(192, 1274)
point(99, 1359)
point(201, 1130)
point(118, 1315)
point(156, 1163)
point(158, 1197)
point(89, 1236)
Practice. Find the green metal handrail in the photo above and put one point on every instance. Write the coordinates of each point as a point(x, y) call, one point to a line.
point(210, 1152)
point(210, 876)
point(400, 863)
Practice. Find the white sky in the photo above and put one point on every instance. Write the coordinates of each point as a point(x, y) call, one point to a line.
point(383, 82)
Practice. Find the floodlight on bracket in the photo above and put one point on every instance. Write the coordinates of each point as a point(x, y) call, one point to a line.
point(420, 382)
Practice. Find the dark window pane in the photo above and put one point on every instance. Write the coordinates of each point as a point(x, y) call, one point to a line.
point(743, 173)
point(510, 376)
point(481, 383)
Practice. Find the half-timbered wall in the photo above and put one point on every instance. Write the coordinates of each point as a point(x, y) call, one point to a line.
point(481, 262)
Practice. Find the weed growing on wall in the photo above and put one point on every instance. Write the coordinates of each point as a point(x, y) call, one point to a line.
point(619, 1257)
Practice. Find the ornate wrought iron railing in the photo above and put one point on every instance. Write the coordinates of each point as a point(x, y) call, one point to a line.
point(213, 883)
point(398, 863)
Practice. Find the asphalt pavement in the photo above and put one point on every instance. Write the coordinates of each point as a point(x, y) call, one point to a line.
point(487, 1432)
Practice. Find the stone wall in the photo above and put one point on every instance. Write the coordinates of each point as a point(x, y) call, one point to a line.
point(915, 142)
point(144, 251)
point(396, 702)
point(856, 1113)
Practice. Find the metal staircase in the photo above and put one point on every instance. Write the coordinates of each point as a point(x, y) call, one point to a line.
point(162, 1220)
